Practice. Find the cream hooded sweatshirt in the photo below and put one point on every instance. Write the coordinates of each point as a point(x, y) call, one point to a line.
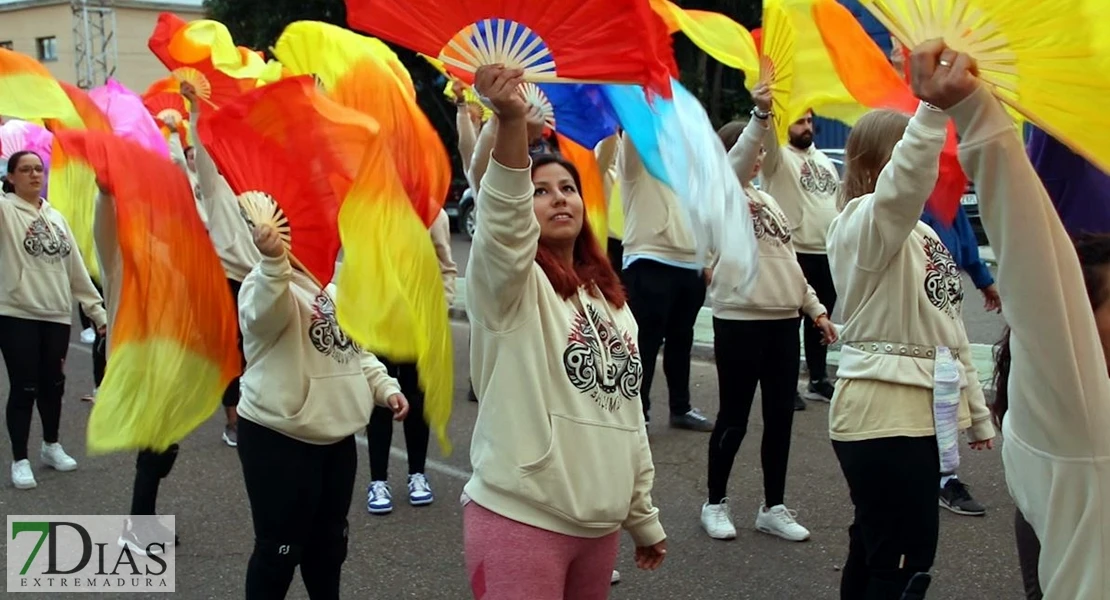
point(902, 297)
point(560, 442)
point(1057, 428)
point(781, 289)
point(41, 270)
point(805, 183)
point(304, 378)
point(229, 231)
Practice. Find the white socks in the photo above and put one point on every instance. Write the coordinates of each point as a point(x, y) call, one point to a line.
point(944, 479)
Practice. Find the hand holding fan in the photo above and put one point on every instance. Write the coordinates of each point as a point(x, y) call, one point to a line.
point(777, 42)
point(555, 41)
point(1042, 59)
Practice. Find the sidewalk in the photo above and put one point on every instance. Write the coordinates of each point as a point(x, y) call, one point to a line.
point(982, 355)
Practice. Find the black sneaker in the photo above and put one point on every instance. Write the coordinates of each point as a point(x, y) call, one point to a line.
point(692, 420)
point(955, 497)
point(799, 404)
point(820, 391)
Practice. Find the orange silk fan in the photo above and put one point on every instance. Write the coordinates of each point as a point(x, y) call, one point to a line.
point(213, 86)
point(164, 105)
point(867, 74)
point(278, 184)
point(585, 41)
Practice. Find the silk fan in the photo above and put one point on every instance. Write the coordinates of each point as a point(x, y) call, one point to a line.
point(572, 41)
point(1045, 60)
point(776, 42)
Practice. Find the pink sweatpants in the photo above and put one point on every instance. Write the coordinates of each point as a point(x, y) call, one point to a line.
point(507, 560)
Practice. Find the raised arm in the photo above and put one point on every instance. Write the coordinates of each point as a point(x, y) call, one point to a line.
point(882, 221)
point(479, 161)
point(1054, 341)
point(266, 304)
point(503, 254)
point(448, 270)
point(468, 136)
point(745, 153)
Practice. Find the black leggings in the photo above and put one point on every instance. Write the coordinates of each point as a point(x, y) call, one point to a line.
point(750, 353)
point(893, 485)
point(300, 495)
point(35, 355)
point(231, 394)
point(815, 267)
point(1029, 555)
point(99, 349)
point(150, 469)
point(665, 301)
point(379, 433)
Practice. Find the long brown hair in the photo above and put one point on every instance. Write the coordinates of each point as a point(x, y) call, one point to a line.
point(591, 264)
point(1094, 258)
point(868, 150)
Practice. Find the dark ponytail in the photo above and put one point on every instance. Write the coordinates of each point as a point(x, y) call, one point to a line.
point(1094, 259)
point(13, 162)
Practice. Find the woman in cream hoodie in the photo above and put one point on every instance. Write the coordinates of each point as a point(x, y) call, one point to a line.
point(1057, 402)
point(231, 236)
point(560, 452)
point(41, 274)
point(307, 389)
point(902, 301)
point(771, 313)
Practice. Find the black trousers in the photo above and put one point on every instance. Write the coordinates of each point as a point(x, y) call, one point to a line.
point(231, 394)
point(615, 249)
point(379, 433)
point(99, 349)
point(893, 485)
point(815, 267)
point(300, 495)
point(665, 301)
point(150, 469)
point(1029, 555)
point(35, 355)
point(750, 353)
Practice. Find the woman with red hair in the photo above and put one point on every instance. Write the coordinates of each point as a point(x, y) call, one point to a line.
point(560, 451)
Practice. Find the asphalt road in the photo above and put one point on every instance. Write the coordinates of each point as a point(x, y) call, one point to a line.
point(417, 553)
point(982, 327)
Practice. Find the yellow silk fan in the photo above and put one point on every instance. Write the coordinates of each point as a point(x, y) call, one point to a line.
point(534, 96)
point(777, 42)
point(1045, 60)
point(259, 208)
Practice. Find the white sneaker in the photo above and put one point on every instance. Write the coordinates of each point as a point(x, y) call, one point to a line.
point(56, 458)
point(420, 491)
point(88, 336)
point(716, 519)
point(616, 578)
point(379, 498)
point(779, 521)
point(22, 477)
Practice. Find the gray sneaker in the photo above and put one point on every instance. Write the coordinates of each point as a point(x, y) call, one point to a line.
point(692, 420)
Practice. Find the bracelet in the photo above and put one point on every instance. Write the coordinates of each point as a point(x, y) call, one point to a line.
point(762, 116)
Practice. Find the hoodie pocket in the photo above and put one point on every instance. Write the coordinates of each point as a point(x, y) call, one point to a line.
point(42, 290)
point(335, 407)
point(588, 473)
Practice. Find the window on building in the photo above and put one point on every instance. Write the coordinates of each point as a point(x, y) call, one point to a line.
point(47, 48)
point(6, 45)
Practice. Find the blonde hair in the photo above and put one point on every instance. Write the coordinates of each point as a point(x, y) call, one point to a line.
point(868, 150)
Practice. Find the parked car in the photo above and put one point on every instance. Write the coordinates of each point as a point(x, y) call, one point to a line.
point(459, 187)
point(466, 213)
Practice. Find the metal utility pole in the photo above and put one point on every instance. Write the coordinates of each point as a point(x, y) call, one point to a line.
point(94, 39)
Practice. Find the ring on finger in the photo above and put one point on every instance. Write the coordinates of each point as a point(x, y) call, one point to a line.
point(945, 63)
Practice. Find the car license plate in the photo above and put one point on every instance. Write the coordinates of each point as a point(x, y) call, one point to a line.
point(969, 199)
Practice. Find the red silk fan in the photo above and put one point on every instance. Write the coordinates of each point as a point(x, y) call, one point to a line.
point(584, 41)
point(273, 189)
point(868, 75)
point(213, 86)
point(171, 106)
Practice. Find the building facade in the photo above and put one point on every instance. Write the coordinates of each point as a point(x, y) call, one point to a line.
point(85, 41)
